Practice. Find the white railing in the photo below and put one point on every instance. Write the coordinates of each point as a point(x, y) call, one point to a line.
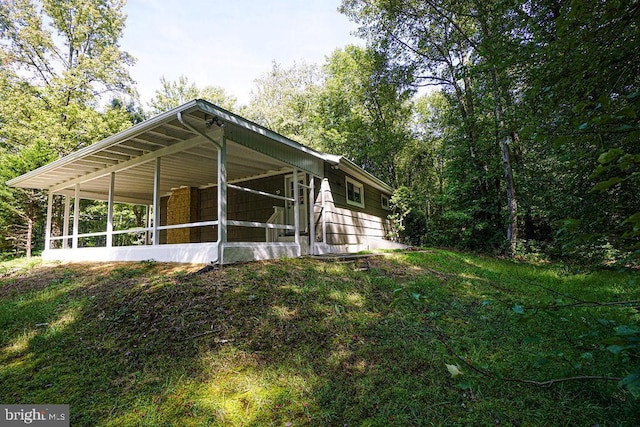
point(274, 224)
point(136, 230)
point(277, 217)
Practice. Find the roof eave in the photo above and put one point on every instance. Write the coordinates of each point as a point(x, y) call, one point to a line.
point(206, 107)
point(210, 108)
point(105, 143)
point(348, 166)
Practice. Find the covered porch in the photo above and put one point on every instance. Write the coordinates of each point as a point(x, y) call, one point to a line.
point(209, 186)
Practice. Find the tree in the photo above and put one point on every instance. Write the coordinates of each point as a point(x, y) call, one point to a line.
point(447, 44)
point(284, 100)
point(363, 110)
point(543, 94)
point(582, 103)
point(175, 93)
point(59, 60)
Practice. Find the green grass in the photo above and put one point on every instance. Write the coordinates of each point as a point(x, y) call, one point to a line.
point(305, 342)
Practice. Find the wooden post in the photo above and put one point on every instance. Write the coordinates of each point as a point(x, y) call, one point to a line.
point(325, 184)
point(147, 235)
point(296, 208)
point(47, 233)
point(65, 226)
point(312, 214)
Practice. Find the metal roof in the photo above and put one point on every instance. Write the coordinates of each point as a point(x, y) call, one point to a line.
point(187, 157)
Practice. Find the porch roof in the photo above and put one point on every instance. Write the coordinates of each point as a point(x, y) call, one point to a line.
point(188, 159)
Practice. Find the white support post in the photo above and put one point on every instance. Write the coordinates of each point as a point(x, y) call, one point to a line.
point(112, 185)
point(323, 189)
point(47, 233)
point(156, 203)
point(76, 217)
point(222, 199)
point(296, 208)
point(147, 236)
point(312, 214)
point(65, 225)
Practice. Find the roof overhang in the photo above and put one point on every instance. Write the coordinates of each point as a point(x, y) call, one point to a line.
point(352, 169)
point(188, 156)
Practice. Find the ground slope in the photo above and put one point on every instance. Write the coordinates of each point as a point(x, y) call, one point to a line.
point(308, 342)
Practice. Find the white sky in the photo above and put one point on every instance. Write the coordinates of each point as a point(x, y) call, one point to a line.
point(228, 43)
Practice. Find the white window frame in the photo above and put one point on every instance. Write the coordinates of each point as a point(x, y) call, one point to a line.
point(346, 191)
point(382, 198)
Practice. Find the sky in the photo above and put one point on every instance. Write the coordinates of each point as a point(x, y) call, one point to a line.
point(228, 43)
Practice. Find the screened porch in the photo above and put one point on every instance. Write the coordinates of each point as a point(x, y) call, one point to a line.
point(196, 184)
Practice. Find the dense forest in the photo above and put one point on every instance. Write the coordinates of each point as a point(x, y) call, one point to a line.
point(509, 127)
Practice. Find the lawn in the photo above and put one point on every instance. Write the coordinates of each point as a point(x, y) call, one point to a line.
point(308, 342)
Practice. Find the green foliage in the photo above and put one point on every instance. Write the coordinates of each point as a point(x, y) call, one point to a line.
point(539, 98)
point(401, 202)
point(284, 101)
point(59, 60)
point(363, 110)
point(626, 344)
point(176, 93)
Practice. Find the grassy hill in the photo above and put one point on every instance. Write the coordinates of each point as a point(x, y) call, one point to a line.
point(307, 342)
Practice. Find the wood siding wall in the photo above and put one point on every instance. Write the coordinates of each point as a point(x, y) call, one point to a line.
point(241, 206)
point(349, 224)
point(345, 223)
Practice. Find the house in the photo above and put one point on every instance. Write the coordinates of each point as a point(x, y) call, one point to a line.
point(215, 188)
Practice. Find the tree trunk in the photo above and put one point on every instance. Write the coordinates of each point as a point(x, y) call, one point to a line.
point(503, 140)
point(512, 204)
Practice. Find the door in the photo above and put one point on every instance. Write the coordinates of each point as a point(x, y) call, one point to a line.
point(303, 218)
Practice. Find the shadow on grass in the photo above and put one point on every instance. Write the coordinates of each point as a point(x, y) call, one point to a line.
point(292, 342)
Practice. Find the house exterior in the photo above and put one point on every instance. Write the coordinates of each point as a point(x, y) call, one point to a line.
point(215, 188)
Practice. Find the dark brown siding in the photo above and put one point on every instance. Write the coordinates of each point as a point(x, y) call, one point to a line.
point(242, 206)
point(372, 201)
point(349, 224)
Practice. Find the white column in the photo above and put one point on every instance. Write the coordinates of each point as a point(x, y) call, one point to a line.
point(65, 225)
point(147, 236)
point(112, 184)
point(323, 189)
point(296, 208)
point(222, 199)
point(47, 233)
point(156, 203)
point(76, 217)
point(312, 219)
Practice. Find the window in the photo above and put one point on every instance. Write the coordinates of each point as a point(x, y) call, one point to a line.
point(384, 202)
point(355, 193)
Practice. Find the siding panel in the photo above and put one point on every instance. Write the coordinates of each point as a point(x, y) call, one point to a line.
point(348, 224)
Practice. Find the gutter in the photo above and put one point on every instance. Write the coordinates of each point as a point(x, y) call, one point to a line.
point(196, 131)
